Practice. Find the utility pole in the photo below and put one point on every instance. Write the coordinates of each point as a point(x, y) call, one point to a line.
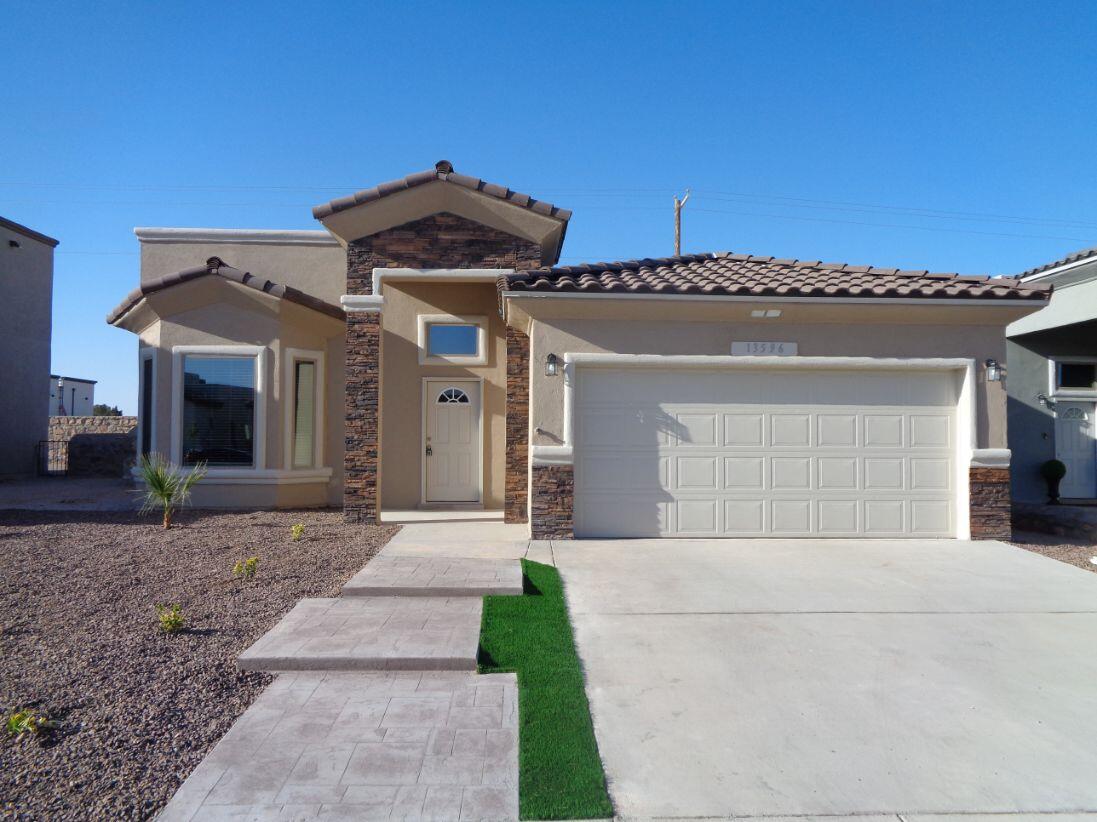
point(678, 222)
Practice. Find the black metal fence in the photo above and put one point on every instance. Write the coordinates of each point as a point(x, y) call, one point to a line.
point(53, 458)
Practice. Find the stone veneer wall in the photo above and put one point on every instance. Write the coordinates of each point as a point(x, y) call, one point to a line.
point(990, 503)
point(97, 446)
point(553, 493)
point(437, 241)
point(516, 493)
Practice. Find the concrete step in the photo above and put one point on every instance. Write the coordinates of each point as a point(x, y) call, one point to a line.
point(371, 633)
point(428, 576)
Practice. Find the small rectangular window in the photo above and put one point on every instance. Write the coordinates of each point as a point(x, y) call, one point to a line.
point(304, 414)
point(146, 406)
point(219, 410)
point(1081, 376)
point(453, 340)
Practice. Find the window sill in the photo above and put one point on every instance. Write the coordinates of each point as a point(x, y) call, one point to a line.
point(261, 476)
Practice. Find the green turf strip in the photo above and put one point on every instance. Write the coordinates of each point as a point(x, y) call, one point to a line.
point(560, 771)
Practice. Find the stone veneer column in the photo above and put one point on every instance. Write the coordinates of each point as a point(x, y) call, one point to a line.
point(553, 494)
point(990, 503)
point(516, 492)
point(362, 398)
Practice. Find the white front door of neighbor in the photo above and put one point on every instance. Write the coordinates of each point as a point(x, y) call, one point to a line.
point(744, 453)
point(1075, 448)
point(452, 440)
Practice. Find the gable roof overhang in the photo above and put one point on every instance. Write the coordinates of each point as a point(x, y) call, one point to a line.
point(128, 314)
point(442, 190)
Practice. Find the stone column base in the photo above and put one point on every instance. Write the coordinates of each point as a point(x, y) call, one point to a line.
point(553, 491)
point(990, 503)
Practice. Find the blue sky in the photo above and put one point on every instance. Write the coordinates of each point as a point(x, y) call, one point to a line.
point(949, 136)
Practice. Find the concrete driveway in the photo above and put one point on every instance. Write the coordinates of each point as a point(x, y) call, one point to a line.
point(812, 677)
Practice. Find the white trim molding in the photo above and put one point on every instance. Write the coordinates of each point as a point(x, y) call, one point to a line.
point(259, 353)
point(423, 275)
point(293, 356)
point(236, 236)
point(990, 458)
point(266, 476)
point(362, 303)
point(146, 353)
point(424, 321)
point(966, 424)
point(1055, 392)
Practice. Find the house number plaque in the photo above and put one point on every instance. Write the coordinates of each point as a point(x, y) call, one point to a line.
point(770, 349)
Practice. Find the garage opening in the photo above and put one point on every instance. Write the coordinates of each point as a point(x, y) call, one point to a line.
point(784, 452)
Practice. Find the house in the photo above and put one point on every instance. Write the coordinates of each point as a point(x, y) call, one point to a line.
point(1052, 358)
point(26, 306)
point(71, 396)
point(425, 350)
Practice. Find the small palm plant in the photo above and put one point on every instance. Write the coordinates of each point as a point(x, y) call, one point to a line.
point(167, 486)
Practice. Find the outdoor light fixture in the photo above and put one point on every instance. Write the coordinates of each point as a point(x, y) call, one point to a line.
point(1045, 401)
point(551, 365)
point(994, 371)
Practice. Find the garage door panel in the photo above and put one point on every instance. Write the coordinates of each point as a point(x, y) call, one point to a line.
point(698, 455)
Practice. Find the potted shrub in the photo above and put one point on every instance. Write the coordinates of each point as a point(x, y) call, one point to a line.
point(1053, 472)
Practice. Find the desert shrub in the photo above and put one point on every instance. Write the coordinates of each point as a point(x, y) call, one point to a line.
point(166, 486)
point(245, 568)
point(170, 618)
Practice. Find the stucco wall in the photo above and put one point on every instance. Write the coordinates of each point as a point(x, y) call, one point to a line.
point(1032, 425)
point(26, 299)
point(818, 332)
point(402, 381)
point(316, 269)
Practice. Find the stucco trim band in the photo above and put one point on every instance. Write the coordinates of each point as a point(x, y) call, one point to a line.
point(362, 303)
point(553, 455)
point(422, 275)
point(236, 236)
point(990, 458)
point(266, 476)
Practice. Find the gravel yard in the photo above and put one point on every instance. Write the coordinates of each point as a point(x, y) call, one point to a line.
point(1074, 551)
point(79, 642)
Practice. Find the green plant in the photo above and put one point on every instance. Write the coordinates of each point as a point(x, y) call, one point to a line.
point(1053, 470)
point(171, 618)
point(296, 532)
point(27, 722)
point(245, 569)
point(166, 485)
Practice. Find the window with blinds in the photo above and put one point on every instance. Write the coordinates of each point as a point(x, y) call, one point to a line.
point(304, 413)
point(219, 410)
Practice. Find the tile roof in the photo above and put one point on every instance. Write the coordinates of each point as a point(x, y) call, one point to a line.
point(443, 170)
point(216, 267)
point(1070, 258)
point(727, 274)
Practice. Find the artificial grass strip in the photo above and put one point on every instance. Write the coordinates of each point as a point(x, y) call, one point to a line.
point(560, 772)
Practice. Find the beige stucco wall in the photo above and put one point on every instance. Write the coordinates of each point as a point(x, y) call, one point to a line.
point(692, 328)
point(402, 386)
point(215, 312)
point(316, 269)
point(26, 300)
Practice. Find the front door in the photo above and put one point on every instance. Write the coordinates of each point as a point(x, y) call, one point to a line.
point(452, 440)
point(1075, 448)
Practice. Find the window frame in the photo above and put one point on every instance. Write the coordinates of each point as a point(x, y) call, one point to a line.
point(146, 354)
point(292, 357)
point(425, 321)
point(1055, 392)
point(258, 353)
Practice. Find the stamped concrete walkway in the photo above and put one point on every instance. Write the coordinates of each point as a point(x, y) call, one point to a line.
point(371, 721)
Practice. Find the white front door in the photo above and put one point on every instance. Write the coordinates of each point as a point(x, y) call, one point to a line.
point(1075, 448)
point(452, 447)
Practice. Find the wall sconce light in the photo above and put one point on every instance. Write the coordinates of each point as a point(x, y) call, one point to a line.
point(1045, 401)
point(552, 365)
point(994, 371)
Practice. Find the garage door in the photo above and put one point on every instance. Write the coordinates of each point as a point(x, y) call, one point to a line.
point(740, 453)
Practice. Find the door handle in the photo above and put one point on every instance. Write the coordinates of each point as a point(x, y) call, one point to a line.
point(430, 451)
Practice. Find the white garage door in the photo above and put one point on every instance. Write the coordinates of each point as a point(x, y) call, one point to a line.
point(788, 453)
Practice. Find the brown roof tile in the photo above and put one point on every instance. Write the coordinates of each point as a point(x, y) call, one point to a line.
point(727, 274)
point(216, 267)
point(1070, 258)
point(443, 170)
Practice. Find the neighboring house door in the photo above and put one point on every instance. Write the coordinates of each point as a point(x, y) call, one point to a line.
point(452, 446)
point(1075, 448)
point(737, 453)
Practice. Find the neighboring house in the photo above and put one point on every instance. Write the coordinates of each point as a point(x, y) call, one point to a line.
point(26, 306)
point(1052, 358)
point(423, 351)
point(71, 396)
